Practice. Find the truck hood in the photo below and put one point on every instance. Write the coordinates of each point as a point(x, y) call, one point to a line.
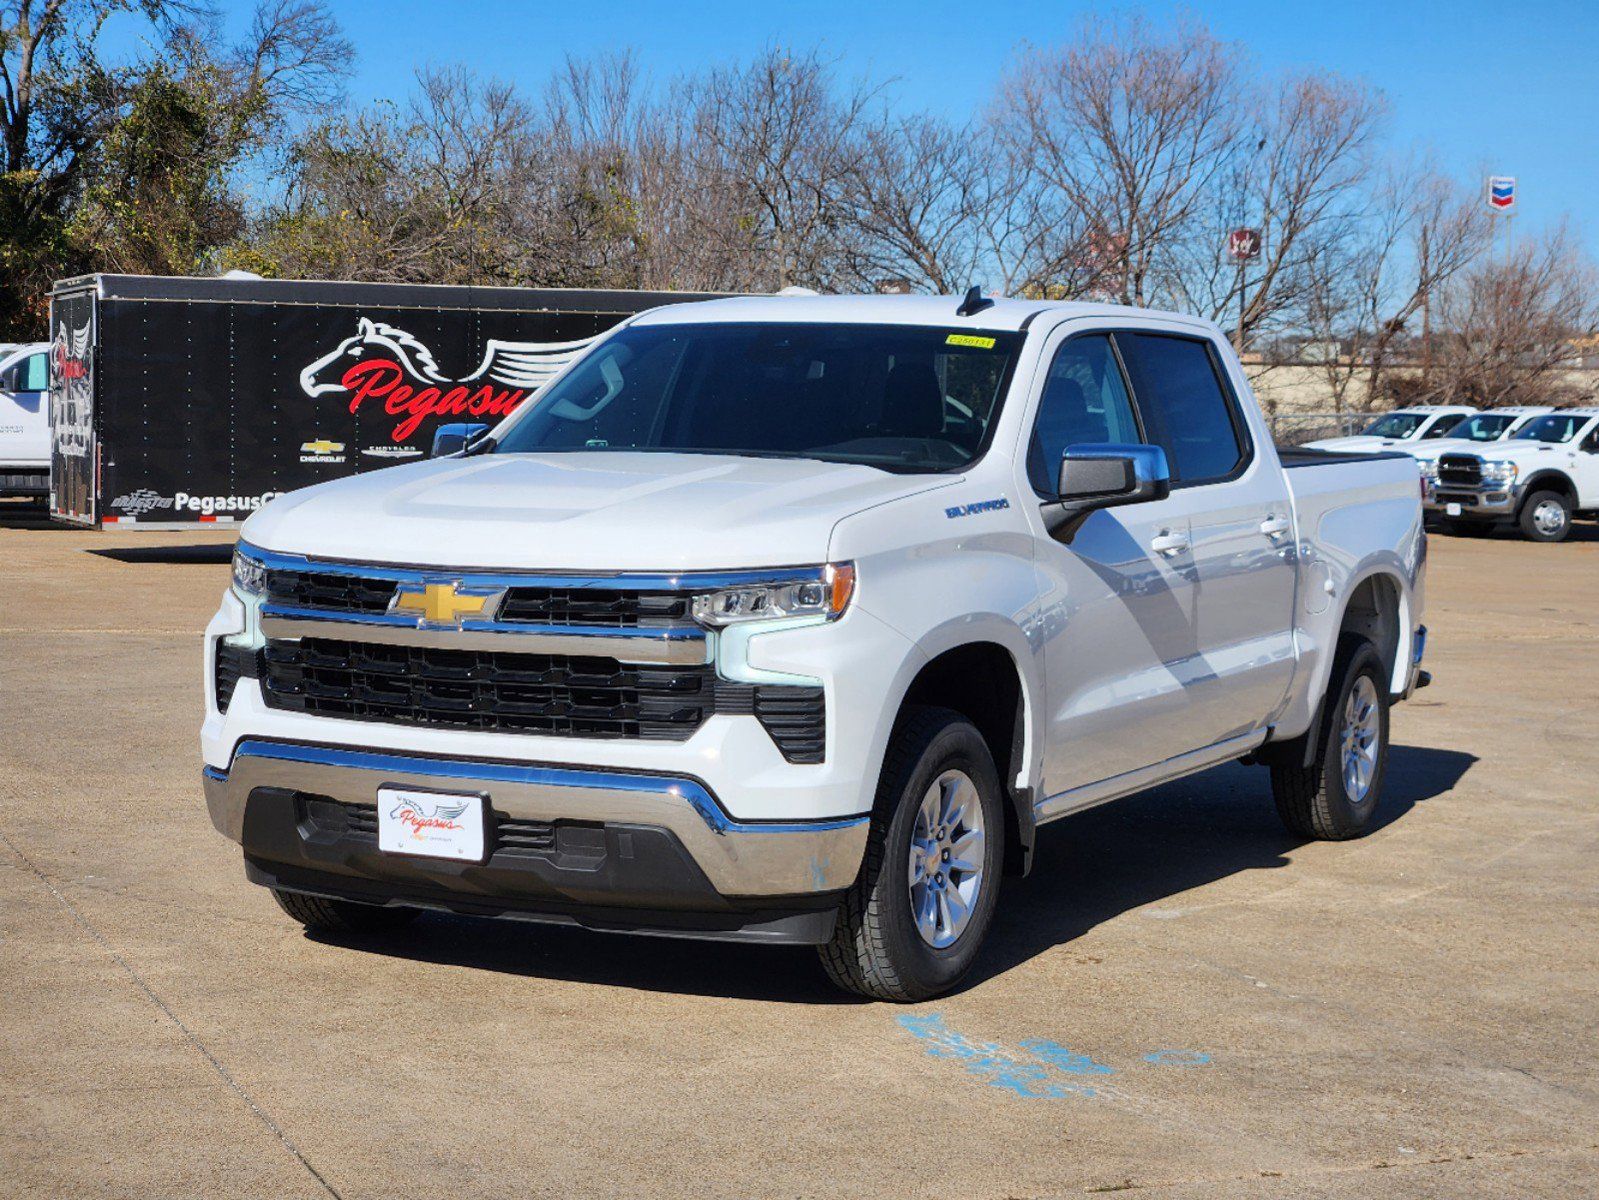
point(1518, 450)
point(599, 511)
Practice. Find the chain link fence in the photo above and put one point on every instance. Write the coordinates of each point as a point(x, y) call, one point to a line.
point(1297, 428)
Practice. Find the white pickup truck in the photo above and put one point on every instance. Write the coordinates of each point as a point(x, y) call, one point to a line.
point(1538, 479)
point(790, 619)
point(1406, 429)
point(25, 420)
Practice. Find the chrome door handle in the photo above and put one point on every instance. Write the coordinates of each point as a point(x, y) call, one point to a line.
point(1169, 544)
point(1275, 526)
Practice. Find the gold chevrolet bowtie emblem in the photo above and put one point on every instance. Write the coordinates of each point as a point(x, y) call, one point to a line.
point(444, 603)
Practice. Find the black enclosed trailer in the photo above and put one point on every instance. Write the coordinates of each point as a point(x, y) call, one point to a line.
point(179, 401)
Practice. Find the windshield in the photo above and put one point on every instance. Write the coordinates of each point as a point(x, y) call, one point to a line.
point(1556, 427)
point(1484, 427)
point(902, 398)
point(1395, 425)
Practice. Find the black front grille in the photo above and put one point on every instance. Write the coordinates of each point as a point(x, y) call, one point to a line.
point(232, 664)
point(1461, 470)
point(593, 606)
point(329, 591)
point(335, 818)
point(610, 607)
point(488, 690)
point(796, 719)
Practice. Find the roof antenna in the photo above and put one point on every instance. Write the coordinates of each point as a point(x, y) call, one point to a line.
point(975, 302)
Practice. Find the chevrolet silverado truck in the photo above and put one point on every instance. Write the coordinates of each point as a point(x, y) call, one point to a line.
point(1537, 480)
point(791, 619)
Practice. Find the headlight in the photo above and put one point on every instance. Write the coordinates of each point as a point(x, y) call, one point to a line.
point(1429, 467)
point(1500, 472)
point(249, 575)
point(826, 596)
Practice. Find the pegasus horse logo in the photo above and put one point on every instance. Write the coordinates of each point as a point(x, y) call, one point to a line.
point(382, 362)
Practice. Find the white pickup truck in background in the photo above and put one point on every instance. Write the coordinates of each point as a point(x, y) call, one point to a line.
point(25, 420)
point(1538, 480)
point(791, 619)
point(1406, 429)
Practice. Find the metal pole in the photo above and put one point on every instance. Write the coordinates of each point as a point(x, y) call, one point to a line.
point(1240, 346)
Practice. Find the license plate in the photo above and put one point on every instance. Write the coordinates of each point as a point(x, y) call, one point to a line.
point(431, 824)
point(1452, 509)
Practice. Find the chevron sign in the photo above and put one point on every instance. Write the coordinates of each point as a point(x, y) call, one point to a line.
point(1501, 192)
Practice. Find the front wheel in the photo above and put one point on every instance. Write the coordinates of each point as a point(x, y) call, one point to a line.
point(1546, 517)
point(321, 914)
point(914, 921)
point(1335, 797)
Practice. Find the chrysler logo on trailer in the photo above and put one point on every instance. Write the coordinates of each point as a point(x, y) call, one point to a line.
point(385, 364)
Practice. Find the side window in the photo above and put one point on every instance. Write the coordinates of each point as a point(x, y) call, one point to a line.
point(35, 373)
point(1184, 408)
point(1442, 428)
point(1085, 400)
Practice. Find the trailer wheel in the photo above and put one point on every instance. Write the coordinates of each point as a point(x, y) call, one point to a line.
point(1335, 798)
point(1545, 517)
point(319, 914)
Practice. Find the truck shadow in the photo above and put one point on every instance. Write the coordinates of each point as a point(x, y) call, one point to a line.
point(1159, 844)
point(179, 554)
point(1089, 869)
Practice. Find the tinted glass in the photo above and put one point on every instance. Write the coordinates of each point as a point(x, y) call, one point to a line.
point(35, 373)
point(1484, 427)
point(1184, 409)
point(1443, 427)
point(1556, 427)
point(1395, 425)
point(897, 397)
point(1085, 400)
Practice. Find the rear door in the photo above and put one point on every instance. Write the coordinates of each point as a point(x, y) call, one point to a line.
point(74, 451)
point(1229, 489)
point(24, 409)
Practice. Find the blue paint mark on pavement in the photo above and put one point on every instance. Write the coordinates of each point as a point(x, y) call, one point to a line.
point(989, 1061)
point(1177, 1058)
point(1062, 1059)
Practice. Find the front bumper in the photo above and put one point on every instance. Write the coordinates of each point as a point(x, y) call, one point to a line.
point(1488, 500)
point(658, 849)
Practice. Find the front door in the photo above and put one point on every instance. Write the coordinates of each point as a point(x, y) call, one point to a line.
point(25, 411)
point(1116, 622)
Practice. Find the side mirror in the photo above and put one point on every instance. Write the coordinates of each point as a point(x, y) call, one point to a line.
point(1108, 475)
point(452, 439)
point(11, 377)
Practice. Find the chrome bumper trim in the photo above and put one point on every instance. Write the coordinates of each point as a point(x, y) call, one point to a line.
point(740, 858)
point(674, 645)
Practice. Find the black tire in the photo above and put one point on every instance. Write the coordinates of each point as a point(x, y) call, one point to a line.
point(1535, 525)
point(322, 915)
point(1313, 801)
point(876, 949)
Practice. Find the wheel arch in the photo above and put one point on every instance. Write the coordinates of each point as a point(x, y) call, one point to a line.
point(979, 673)
point(1548, 479)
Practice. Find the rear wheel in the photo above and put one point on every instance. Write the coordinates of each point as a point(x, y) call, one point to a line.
point(1336, 796)
point(915, 919)
point(1546, 517)
point(322, 915)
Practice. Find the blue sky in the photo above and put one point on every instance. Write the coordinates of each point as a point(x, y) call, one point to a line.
point(1512, 88)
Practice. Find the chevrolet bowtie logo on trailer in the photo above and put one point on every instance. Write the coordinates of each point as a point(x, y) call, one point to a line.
point(445, 603)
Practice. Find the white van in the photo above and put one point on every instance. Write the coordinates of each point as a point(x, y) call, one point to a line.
point(25, 420)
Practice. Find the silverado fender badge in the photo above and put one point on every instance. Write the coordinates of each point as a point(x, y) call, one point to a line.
point(981, 506)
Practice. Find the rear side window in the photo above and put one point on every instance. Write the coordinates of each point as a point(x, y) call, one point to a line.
point(1085, 400)
point(36, 373)
point(1185, 410)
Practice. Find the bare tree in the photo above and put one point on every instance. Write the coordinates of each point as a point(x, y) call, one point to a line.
point(1509, 328)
